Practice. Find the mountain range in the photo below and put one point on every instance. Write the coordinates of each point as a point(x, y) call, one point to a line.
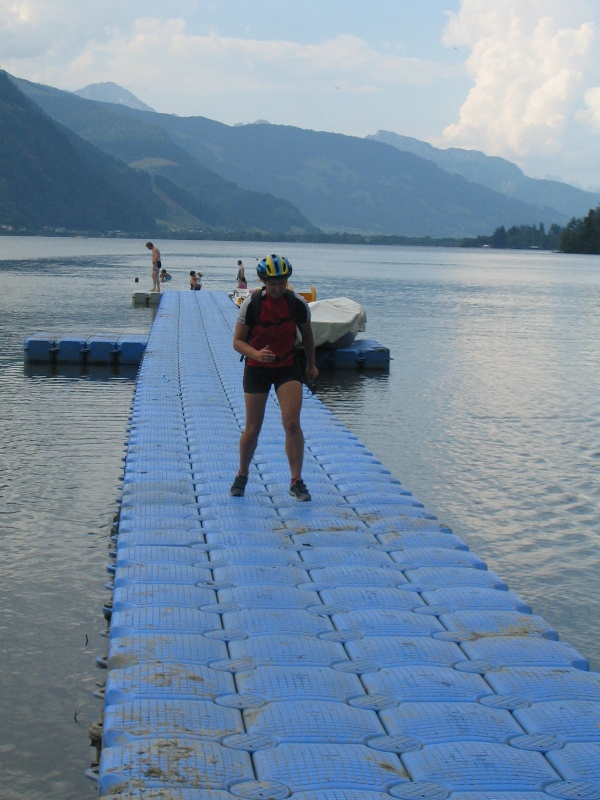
point(200, 175)
point(498, 174)
point(110, 92)
point(52, 177)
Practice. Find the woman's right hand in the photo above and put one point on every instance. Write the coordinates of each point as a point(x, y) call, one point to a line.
point(265, 356)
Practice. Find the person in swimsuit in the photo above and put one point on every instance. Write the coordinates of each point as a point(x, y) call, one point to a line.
point(156, 265)
point(241, 277)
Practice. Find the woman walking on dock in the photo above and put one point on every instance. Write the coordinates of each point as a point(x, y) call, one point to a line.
point(265, 335)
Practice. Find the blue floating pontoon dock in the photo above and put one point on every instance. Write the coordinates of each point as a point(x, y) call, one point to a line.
point(93, 350)
point(352, 648)
point(128, 349)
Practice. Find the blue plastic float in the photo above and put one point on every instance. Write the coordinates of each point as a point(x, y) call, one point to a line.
point(351, 648)
point(94, 350)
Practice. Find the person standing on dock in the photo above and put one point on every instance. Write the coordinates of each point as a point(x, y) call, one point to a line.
point(265, 334)
point(156, 265)
point(241, 277)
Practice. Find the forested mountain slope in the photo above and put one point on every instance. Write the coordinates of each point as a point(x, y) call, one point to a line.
point(338, 183)
point(497, 174)
point(205, 196)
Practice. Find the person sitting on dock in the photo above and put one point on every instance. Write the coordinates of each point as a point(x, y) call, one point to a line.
point(195, 284)
point(267, 343)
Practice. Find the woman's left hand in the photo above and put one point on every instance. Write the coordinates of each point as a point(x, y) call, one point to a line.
point(312, 373)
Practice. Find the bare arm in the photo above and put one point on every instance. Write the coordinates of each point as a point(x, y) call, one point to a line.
point(309, 348)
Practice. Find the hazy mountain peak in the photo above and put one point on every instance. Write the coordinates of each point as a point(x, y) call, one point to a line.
point(497, 174)
point(110, 92)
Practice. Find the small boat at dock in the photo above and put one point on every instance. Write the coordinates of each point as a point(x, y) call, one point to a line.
point(336, 321)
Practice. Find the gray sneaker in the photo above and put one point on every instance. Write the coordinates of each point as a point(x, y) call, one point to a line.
point(238, 486)
point(299, 491)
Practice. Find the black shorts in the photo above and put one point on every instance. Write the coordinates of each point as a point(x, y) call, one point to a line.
point(258, 380)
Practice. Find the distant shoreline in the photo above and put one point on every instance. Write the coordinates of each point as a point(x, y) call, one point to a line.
point(479, 242)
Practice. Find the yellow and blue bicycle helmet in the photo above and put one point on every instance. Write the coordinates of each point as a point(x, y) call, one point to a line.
point(274, 267)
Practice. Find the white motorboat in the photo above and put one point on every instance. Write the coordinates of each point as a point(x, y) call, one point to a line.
point(336, 321)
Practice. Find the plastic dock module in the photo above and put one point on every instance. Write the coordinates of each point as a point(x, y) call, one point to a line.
point(366, 354)
point(40, 347)
point(349, 648)
point(71, 349)
point(92, 350)
point(102, 349)
point(146, 298)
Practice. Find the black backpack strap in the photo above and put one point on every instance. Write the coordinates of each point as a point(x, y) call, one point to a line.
point(295, 305)
point(291, 301)
point(253, 311)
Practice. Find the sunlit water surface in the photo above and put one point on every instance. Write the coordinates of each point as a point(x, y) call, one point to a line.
point(489, 415)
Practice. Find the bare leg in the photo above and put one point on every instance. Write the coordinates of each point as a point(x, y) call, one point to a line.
point(290, 402)
point(255, 413)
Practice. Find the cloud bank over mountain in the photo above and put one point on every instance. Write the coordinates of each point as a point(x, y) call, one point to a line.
point(536, 78)
point(518, 79)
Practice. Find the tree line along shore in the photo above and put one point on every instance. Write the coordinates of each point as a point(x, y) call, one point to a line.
point(578, 236)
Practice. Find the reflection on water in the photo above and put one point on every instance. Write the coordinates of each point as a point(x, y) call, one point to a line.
point(96, 372)
point(62, 440)
point(351, 387)
point(489, 415)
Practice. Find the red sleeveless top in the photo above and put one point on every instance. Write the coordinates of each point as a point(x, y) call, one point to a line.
point(275, 328)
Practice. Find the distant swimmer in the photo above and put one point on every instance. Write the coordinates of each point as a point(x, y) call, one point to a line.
point(195, 283)
point(164, 276)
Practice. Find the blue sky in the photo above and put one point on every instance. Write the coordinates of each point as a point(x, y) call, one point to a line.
point(514, 78)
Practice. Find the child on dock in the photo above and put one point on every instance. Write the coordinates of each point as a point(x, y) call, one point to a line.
point(267, 343)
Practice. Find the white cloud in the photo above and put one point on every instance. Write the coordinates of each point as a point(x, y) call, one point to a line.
point(590, 115)
point(531, 64)
point(517, 78)
point(177, 65)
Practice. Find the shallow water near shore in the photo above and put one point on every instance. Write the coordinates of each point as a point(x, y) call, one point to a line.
point(489, 415)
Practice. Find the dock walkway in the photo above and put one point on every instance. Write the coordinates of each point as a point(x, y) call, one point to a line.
point(352, 648)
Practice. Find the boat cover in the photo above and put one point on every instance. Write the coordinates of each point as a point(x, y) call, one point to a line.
point(336, 321)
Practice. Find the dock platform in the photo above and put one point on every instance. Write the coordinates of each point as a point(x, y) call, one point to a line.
point(350, 648)
point(98, 349)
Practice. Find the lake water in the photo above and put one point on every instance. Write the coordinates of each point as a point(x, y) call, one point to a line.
point(490, 415)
